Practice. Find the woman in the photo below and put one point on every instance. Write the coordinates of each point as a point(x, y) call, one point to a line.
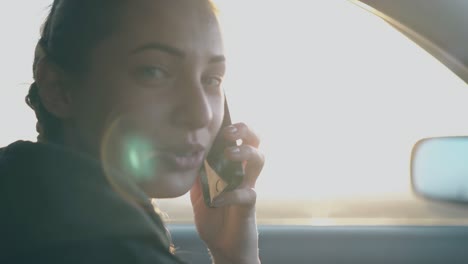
point(128, 99)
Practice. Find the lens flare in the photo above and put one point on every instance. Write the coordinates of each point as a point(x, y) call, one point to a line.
point(138, 157)
point(128, 159)
point(134, 159)
point(125, 152)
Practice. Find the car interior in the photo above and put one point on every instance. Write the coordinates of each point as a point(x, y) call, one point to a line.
point(361, 105)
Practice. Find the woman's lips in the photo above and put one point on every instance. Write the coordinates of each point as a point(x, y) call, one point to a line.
point(182, 158)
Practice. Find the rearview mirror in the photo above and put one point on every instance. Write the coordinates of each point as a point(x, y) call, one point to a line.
point(439, 168)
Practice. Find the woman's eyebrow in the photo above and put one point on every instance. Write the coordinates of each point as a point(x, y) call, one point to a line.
point(173, 51)
point(161, 47)
point(217, 59)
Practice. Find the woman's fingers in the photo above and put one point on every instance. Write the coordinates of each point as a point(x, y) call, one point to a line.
point(243, 132)
point(247, 153)
point(244, 197)
point(253, 158)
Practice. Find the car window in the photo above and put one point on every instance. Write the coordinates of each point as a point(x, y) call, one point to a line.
point(338, 96)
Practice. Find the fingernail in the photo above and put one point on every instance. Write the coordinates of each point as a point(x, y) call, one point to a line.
point(234, 150)
point(231, 129)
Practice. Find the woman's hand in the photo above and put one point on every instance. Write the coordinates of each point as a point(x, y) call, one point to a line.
point(230, 229)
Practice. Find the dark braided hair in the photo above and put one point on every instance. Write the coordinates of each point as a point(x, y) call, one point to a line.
point(71, 30)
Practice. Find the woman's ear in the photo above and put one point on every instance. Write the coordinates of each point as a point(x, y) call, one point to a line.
point(53, 91)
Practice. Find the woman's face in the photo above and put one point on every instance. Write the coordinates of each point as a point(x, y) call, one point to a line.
point(151, 102)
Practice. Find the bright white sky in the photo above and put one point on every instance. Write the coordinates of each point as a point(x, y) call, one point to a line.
point(338, 95)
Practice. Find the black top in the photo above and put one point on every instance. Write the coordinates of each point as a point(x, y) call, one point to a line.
point(57, 206)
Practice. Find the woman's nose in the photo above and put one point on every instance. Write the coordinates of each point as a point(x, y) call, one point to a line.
point(195, 110)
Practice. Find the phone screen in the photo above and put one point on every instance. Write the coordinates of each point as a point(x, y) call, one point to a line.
point(219, 175)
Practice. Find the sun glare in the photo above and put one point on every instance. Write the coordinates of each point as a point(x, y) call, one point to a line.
point(337, 94)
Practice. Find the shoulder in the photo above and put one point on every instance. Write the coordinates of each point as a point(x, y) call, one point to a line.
point(49, 197)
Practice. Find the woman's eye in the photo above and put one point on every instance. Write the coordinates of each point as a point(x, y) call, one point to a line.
point(152, 76)
point(152, 73)
point(213, 82)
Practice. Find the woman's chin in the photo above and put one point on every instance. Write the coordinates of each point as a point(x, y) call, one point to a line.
point(171, 185)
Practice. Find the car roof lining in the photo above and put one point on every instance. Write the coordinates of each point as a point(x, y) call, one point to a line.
point(437, 26)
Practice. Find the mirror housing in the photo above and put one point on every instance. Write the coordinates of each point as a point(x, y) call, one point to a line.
point(439, 169)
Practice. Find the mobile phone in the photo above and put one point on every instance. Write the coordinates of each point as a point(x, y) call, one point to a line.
point(219, 175)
